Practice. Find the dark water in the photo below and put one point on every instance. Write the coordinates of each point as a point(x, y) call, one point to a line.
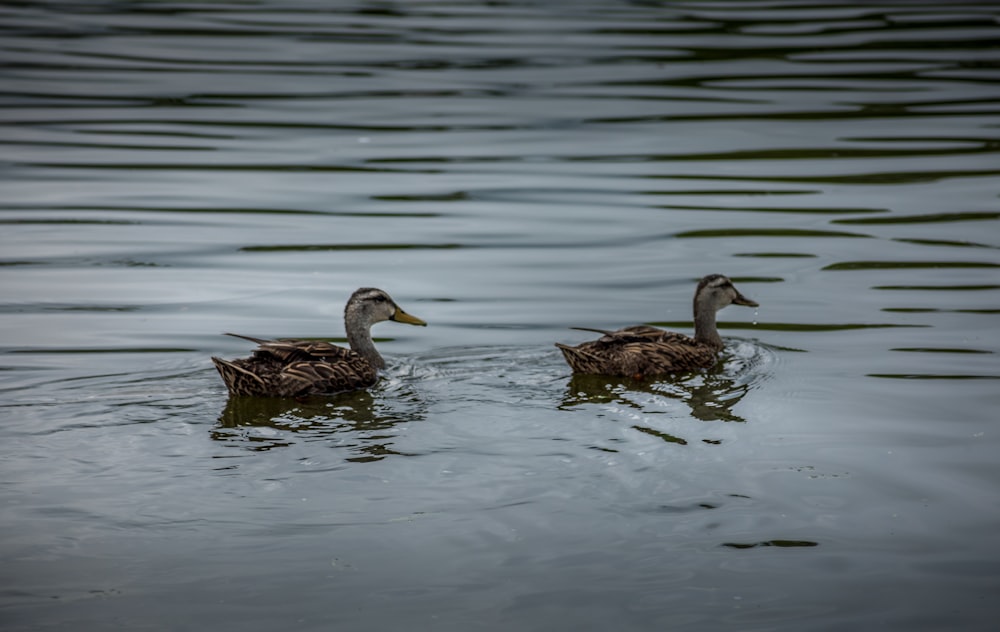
point(505, 170)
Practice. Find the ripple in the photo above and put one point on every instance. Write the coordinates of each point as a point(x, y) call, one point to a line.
point(166, 166)
point(493, 364)
point(335, 247)
point(785, 544)
point(101, 350)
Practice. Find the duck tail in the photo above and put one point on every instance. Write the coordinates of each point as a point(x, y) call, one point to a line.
point(598, 331)
point(259, 341)
point(578, 359)
point(238, 380)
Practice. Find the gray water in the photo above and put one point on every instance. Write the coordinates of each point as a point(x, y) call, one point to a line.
point(505, 170)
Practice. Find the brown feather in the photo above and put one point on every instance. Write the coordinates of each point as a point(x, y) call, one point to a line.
point(294, 368)
point(638, 351)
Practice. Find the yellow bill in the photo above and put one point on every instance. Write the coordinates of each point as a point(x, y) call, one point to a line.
point(402, 317)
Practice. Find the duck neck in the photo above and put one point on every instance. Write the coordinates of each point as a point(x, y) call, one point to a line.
point(360, 338)
point(705, 330)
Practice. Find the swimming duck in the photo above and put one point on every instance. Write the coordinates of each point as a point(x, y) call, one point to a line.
point(642, 350)
point(295, 368)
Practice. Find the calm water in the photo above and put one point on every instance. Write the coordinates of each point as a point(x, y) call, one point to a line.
point(505, 170)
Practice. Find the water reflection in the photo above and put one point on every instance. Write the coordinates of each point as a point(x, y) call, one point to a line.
point(777, 543)
point(709, 396)
point(362, 422)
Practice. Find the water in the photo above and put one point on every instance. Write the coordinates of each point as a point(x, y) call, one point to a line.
point(505, 170)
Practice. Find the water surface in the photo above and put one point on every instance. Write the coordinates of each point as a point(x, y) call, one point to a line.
point(506, 171)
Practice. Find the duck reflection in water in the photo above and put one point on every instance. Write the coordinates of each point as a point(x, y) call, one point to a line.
point(361, 422)
point(710, 396)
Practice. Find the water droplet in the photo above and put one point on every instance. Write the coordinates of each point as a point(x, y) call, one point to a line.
point(756, 311)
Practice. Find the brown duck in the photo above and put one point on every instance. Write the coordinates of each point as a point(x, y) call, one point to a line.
point(296, 368)
point(642, 351)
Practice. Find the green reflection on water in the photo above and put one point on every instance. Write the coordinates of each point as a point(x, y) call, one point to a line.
point(921, 219)
point(773, 209)
point(776, 255)
point(765, 232)
point(894, 265)
point(669, 438)
point(453, 196)
point(938, 350)
point(936, 288)
point(899, 177)
point(943, 242)
point(930, 310)
point(771, 326)
point(924, 376)
point(778, 543)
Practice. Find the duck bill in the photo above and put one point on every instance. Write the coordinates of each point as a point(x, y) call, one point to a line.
point(742, 300)
point(402, 317)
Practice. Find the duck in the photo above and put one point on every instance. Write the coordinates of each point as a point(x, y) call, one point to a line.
point(643, 351)
point(300, 368)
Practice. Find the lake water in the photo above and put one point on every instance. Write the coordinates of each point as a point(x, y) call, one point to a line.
point(506, 170)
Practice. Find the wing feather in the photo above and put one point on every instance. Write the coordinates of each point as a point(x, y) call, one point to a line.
point(638, 351)
point(295, 368)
